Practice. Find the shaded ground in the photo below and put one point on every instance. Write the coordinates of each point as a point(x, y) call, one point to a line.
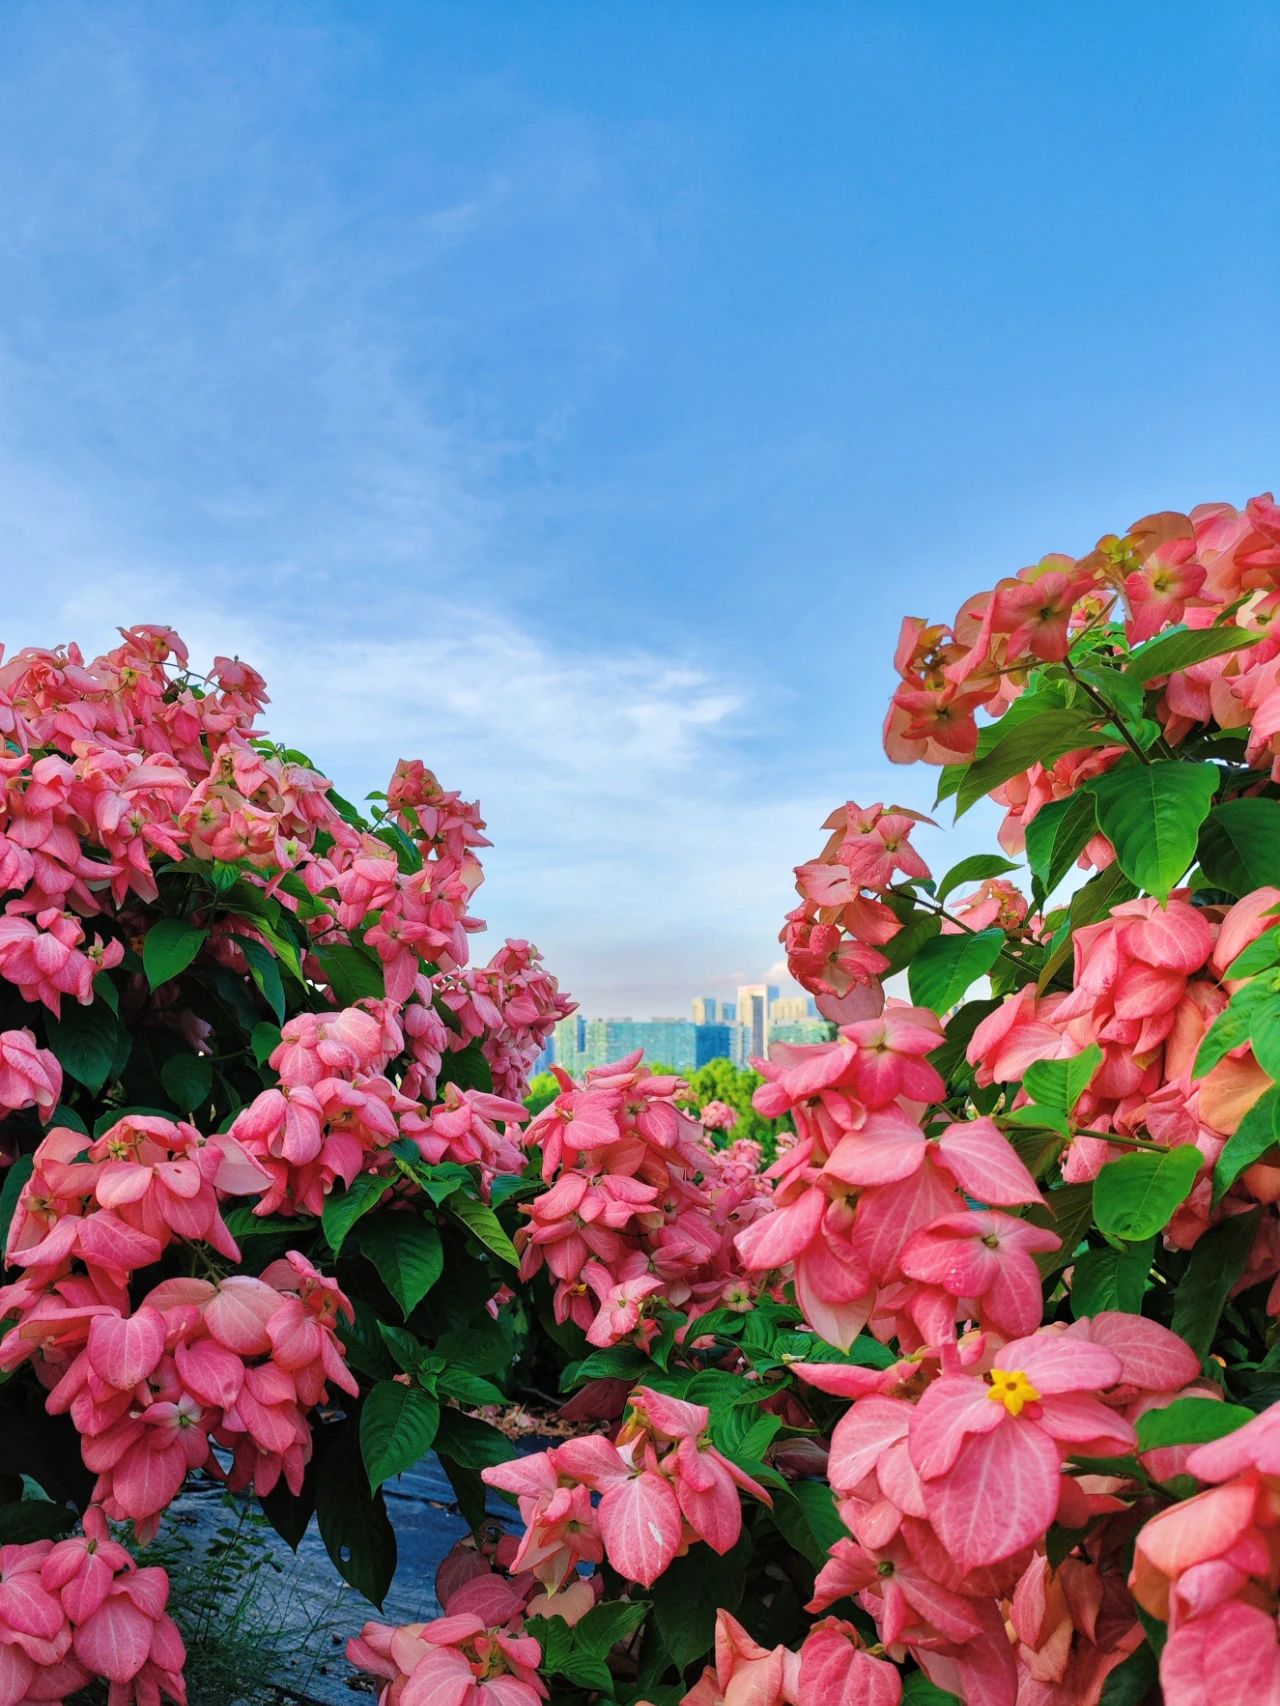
point(269, 1626)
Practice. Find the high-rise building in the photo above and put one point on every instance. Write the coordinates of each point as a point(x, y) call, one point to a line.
point(704, 1010)
point(754, 1003)
point(570, 1038)
point(800, 1031)
point(712, 1042)
point(728, 1012)
point(666, 1042)
point(789, 1010)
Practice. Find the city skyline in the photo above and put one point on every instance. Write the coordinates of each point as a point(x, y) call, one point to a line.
point(739, 1031)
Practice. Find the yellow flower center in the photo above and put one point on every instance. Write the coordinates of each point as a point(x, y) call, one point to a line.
point(1011, 1388)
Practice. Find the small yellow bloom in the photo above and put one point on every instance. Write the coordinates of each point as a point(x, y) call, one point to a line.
point(1011, 1388)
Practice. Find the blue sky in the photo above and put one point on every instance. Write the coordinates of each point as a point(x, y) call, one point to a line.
point(576, 396)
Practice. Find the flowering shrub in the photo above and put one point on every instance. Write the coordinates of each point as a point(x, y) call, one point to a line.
point(969, 1395)
point(256, 1108)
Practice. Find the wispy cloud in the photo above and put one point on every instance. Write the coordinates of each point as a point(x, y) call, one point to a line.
point(314, 392)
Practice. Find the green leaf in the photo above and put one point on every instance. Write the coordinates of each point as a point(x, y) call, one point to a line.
point(1216, 1264)
point(363, 1342)
point(1135, 1196)
point(1265, 1018)
point(1190, 1421)
point(472, 1443)
point(975, 869)
point(947, 965)
point(352, 973)
point(1056, 837)
point(1059, 1084)
point(615, 1362)
point(901, 950)
point(397, 1426)
point(483, 1347)
point(1068, 1211)
point(1240, 845)
point(807, 1516)
point(1259, 956)
point(949, 1057)
point(343, 1208)
point(1179, 650)
point(467, 1388)
point(1037, 1150)
point(470, 1492)
point(605, 1625)
point(555, 1638)
point(687, 1596)
point(33, 1519)
point(439, 1179)
point(1040, 739)
point(1151, 814)
point(265, 973)
point(1230, 1029)
point(1120, 691)
point(407, 1252)
point(408, 1353)
point(169, 948)
point(290, 1513)
point(917, 1690)
point(1251, 1139)
point(1110, 1278)
point(468, 1069)
point(483, 1223)
point(1133, 1682)
point(188, 1078)
point(353, 1522)
point(85, 1040)
point(588, 1673)
point(407, 855)
point(15, 1177)
point(264, 1040)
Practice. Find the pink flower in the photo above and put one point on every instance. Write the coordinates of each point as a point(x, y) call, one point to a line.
point(835, 1667)
point(30, 1077)
point(456, 1660)
point(986, 1259)
point(745, 1673)
point(989, 1451)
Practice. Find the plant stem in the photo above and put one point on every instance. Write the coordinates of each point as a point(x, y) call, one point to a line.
point(941, 912)
point(1113, 716)
point(1127, 1142)
point(1086, 1131)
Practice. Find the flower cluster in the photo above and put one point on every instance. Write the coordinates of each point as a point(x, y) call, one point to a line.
point(833, 939)
point(662, 1486)
point(1216, 562)
point(640, 1210)
point(238, 1363)
point(873, 1217)
point(832, 1664)
point(1150, 981)
point(1210, 1569)
point(718, 1116)
point(940, 1558)
point(79, 1609)
point(140, 804)
point(510, 1007)
point(477, 1653)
